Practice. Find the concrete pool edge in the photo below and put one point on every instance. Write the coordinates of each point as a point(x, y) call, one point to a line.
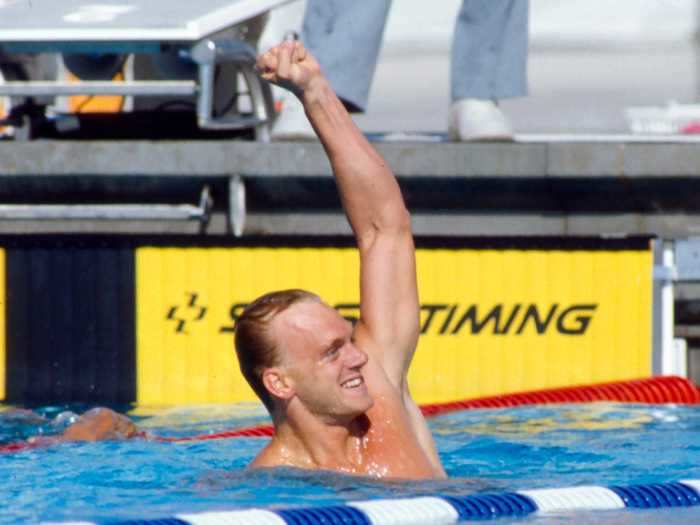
point(451, 509)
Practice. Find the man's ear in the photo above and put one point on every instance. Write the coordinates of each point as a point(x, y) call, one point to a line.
point(278, 383)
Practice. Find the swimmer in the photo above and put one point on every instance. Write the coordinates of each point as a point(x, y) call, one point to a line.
point(338, 394)
point(97, 424)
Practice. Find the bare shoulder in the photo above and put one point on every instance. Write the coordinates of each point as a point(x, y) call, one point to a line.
point(274, 456)
point(270, 456)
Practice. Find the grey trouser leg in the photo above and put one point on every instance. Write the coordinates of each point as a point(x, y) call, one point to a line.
point(489, 50)
point(345, 37)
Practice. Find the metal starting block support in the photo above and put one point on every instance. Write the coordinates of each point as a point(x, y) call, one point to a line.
point(207, 54)
point(111, 212)
point(194, 31)
point(237, 205)
point(134, 88)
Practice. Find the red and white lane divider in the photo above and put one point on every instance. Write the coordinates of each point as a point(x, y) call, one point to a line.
point(656, 390)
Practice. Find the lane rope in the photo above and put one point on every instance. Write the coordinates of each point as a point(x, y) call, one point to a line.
point(664, 389)
point(444, 510)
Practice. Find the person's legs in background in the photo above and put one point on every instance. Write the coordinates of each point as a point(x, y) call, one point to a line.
point(345, 37)
point(489, 62)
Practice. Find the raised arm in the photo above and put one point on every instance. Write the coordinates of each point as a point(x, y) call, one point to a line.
point(372, 201)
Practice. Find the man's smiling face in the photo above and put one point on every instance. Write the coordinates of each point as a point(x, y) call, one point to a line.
point(319, 357)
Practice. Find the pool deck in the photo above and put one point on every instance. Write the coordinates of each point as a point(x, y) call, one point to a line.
point(538, 185)
point(531, 156)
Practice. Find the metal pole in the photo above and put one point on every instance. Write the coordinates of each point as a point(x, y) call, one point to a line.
point(664, 357)
point(667, 348)
point(136, 88)
point(237, 205)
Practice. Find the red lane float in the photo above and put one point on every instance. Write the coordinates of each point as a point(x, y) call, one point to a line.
point(16, 447)
point(668, 389)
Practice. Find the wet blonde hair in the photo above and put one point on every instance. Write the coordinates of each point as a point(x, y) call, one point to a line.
point(255, 348)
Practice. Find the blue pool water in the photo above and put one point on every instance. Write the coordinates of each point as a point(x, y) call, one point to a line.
point(483, 450)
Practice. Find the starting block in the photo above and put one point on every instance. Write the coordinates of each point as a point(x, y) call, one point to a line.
point(188, 43)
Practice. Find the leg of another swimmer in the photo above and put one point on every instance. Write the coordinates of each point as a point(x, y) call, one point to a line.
point(345, 37)
point(489, 50)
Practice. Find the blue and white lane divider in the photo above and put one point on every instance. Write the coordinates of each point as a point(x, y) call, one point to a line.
point(452, 509)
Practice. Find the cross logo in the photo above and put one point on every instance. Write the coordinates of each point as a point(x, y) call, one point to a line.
point(189, 313)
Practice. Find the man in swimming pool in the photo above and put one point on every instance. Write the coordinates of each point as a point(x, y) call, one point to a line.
point(338, 394)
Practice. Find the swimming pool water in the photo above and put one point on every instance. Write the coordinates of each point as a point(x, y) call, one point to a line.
point(482, 450)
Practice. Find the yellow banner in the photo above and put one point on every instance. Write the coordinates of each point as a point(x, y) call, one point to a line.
point(492, 321)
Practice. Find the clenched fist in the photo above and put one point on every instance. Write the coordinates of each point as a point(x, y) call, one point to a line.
point(290, 66)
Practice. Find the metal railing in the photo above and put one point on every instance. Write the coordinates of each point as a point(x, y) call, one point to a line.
point(136, 212)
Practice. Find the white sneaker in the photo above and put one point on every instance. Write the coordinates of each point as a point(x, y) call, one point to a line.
point(477, 119)
point(291, 123)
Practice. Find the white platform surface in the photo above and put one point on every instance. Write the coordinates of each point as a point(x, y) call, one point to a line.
point(122, 20)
